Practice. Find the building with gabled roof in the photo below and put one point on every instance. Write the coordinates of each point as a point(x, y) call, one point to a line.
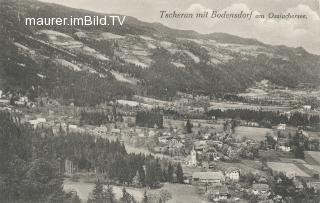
point(208, 177)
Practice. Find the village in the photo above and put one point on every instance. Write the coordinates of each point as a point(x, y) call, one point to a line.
point(223, 159)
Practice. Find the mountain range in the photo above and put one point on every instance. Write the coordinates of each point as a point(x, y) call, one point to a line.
point(93, 64)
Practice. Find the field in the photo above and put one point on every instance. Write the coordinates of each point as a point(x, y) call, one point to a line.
point(287, 167)
point(180, 193)
point(314, 168)
point(84, 189)
point(312, 157)
point(253, 133)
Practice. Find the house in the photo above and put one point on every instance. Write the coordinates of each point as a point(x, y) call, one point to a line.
point(253, 124)
point(205, 165)
point(174, 140)
point(298, 184)
point(141, 135)
point(233, 173)
point(102, 130)
point(304, 133)
point(206, 136)
point(306, 108)
point(151, 133)
point(22, 101)
point(260, 189)
point(115, 131)
point(187, 179)
point(73, 128)
point(210, 154)
point(284, 148)
point(216, 143)
point(138, 130)
point(37, 121)
point(200, 145)
point(291, 174)
point(281, 126)
point(315, 184)
point(220, 194)
point(208, 177)
point(164, 139)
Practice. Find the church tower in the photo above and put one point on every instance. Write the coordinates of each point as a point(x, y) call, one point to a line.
point(193, 157)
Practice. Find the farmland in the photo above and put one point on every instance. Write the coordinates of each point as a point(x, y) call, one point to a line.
point(180, 193)
point(313, 157)
point(253, 133)
point(281, 167)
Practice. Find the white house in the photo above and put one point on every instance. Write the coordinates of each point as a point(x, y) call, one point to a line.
point(284, 148)
point(306, 107)
point(260, 189)
point(73, 127)
point(141, 135)
point(115, 131)
point(37, 121)
point(164, 139)
point(220, 194)
point(151, 133)
point(281, 126)
point(233, 173)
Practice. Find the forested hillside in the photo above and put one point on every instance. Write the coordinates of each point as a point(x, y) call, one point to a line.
point(90, 65)
point(31, 160)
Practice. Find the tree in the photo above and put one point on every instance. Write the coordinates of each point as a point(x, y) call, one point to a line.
point(179, 173)
point(126, 197)
point(298, 152)
point(145, 197)
point(164, 175)
point(109, 195)
point(102, 195)
point(270, 141)
point(298, 143)
point(189, 126)
point(97, 193)
point(136, 179)
point(170, 173)
point(72, 198)
point(13, 101)
point(165, 195)
point(142, 176)
point(25, 174)
point(151, 175)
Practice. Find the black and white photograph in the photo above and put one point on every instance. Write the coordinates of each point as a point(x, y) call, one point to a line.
point(159, 101)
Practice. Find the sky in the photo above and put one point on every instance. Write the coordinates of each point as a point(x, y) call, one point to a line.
point(293, 33)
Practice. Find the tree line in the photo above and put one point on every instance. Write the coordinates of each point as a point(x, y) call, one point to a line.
point(28, 171)
point(149, 119)
point(98, 118)
point(275, 117)
point(30, 161)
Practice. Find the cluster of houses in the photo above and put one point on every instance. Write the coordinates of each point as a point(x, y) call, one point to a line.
point(282, 143)
point(215, 183)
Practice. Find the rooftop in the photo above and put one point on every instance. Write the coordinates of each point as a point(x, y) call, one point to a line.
point(208, 175)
